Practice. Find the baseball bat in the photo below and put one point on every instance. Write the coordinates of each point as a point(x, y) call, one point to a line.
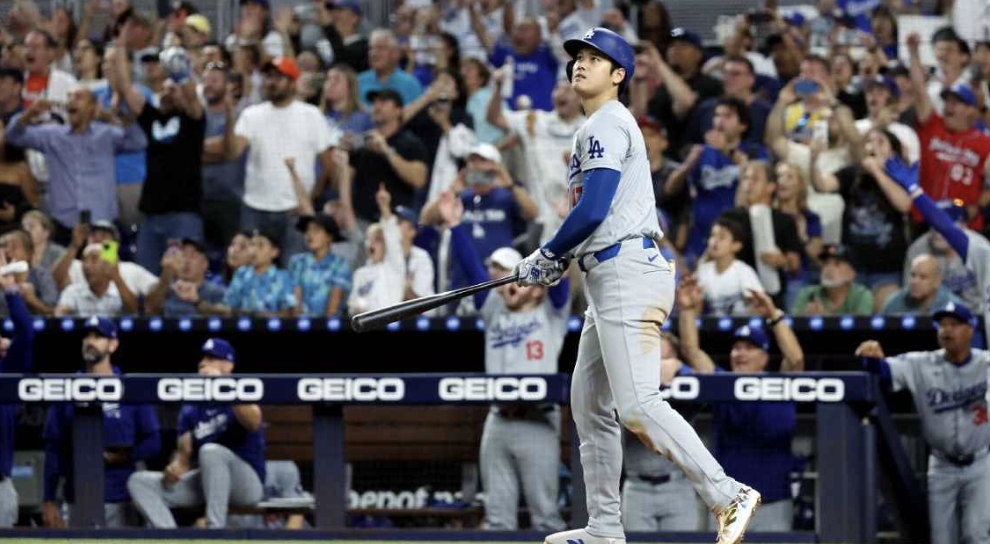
point(377, 318)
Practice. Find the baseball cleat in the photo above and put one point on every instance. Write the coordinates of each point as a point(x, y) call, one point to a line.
point(732, 521)
point(580, 536)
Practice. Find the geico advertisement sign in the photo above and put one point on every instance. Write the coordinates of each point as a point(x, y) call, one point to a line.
point(351, 389)
point(210, 389)
point(681, 388)
point(77, 389)
point(790, 389)
point(505, 388)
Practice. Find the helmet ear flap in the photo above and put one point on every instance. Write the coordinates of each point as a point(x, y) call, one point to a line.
point(569, 70)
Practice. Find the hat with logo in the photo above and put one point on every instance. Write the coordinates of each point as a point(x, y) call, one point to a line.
point(219, 348)
point(754, 336)
point(406, 213)
point(835, 251)
point(956, 310)
point(487, 152)
point(685, 35)
point(962, 92)
point(101, 326)
point(505, 257)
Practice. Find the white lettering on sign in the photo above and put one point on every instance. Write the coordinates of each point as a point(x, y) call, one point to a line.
point(505, 388)
point(218, 389)
point(77, 389)
point(790, 389)
point(351, 389)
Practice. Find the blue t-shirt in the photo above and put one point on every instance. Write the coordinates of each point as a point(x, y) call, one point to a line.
point(132, 167)
point(130, 426)
point(753, 444)
point(860, 11)
point(534, 75)
point(19, 358)
point(477, 108)
point(406, 85)
point(713, 188)
point(490, 221)
point(222, 180)
point(218, 425)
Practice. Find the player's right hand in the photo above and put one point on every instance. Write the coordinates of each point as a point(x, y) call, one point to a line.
point(51, 517)
point(540, 268)
point(871, 349)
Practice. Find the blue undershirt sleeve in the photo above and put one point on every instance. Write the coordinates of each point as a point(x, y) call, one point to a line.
point(464, 253)
point(600, 185)
point(940, 221)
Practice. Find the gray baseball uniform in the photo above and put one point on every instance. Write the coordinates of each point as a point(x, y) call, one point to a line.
point(978, 260)
point(951, 400)
point(956, 276)
point(656, 495)
point(521, 444)
point(8, 503)
point(630, 290)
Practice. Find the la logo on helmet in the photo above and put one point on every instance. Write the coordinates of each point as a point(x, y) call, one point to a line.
point(590, 34)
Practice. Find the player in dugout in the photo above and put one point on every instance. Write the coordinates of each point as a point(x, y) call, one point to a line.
point(220, 459)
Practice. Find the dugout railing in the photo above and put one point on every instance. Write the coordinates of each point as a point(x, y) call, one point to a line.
point(845, 407)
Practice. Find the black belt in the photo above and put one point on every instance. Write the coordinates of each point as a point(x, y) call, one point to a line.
point(961, 460)
point(654, 479)
point(2, 478)
point(523, 411)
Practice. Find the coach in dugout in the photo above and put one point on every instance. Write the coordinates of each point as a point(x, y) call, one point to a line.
point(752, 439)
point(220, 459)
point(131, 434)
point(949, 388)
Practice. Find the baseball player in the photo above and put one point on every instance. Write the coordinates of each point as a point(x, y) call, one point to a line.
point(16, 356)
point(131, 434)
point(612, 231)
point(524, 333)
point(226, 444)
point(949, 388)
point(656, 495)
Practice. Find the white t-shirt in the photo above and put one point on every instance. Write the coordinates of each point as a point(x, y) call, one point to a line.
point(547, 148)
point(828, 206)
point(136, 277)
point(80, 301)
point(298, 130)
point(420, 267)
point(377, 285)
point(725, 293)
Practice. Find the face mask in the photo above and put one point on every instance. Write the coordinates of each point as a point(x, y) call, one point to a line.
point(480, 177)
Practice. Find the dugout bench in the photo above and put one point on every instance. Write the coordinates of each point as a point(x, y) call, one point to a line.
point(846, 442)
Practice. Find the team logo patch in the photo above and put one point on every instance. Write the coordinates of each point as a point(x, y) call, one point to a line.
point(595, 149)
point(587, 35)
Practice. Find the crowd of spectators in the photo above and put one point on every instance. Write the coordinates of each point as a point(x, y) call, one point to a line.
point(296, 166)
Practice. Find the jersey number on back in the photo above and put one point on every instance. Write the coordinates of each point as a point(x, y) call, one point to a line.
point(534, 350)
point(595, 149)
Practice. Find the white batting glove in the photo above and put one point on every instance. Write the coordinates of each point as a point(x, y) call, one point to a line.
point(540, 268)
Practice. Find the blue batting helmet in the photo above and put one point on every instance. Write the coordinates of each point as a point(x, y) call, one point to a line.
point(609, 44)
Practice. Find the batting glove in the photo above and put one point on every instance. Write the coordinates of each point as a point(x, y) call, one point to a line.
point(541, 268)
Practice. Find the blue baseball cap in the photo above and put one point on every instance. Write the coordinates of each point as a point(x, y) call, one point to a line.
point(794, 19)
point(884, 82)
point(352, 5)
point(685, 35)
point(956, 310)
point(753, 336)
point(955, 209)
point(407, 214)
point(262, 3)
point(219, 348)
point(962, 92)
point(101, 326)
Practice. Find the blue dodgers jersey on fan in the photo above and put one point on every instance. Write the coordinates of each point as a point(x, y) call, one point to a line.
point(490, 219)
point(218, 425)
point(713, 185)
point(534, 75)
point(132, 426)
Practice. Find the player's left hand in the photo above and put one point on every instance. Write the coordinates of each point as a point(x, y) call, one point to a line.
point(540, 268)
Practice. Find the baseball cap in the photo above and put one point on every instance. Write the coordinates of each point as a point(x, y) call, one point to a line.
point(13, 73)
point(955, 209)
point(407, 214)
point(219, 348)
point(199, 23)
point(506, 257)
point(262, 3)
point(648, 121)
point(884, 83)
point(384, 94)
point(105, 226)
point(682, 34)
point(326, 222)
point(962, 92)
point(101, 326)
point(487, 152)
point(284, 65)
point(835, 251)
point(352, 5)
point(185, 6)
point(754, 336)
point(794, 19)
point(200, 247)
point(956, 310)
